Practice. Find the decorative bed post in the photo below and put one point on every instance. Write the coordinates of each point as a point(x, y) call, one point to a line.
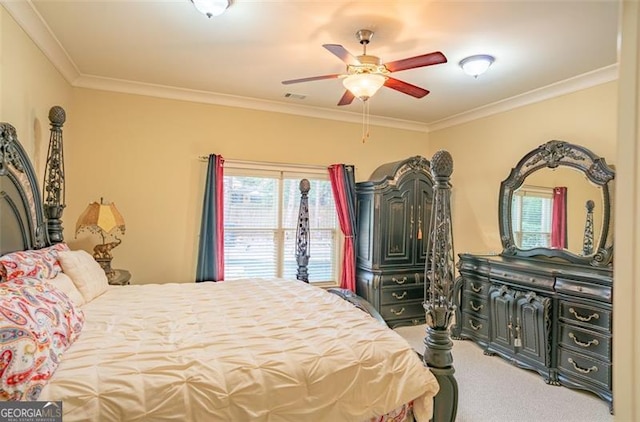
point(438, 305)
point(302, 232)
point(587, 242)
point(53, 188)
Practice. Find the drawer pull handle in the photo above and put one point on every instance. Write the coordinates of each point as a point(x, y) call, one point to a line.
point(595, 342)
point(473, 326)
point(404, 280)
point(397, 313)
point(476, 289)
point(399, 297)
point(582, 370)
point(474, 307)
point(583, 318)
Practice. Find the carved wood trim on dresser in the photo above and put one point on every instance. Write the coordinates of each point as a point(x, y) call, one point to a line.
point(550, 317)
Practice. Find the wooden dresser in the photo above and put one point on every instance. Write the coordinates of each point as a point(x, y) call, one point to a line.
point(547, 309)
point(394, 211)
point(550, 317)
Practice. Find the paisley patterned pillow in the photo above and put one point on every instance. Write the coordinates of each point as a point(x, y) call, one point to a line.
point(38, 322)
point(38, 263)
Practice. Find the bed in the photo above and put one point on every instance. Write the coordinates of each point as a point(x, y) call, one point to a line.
point(245, 350)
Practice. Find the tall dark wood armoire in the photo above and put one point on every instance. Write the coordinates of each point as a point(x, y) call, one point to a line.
point(394, 211)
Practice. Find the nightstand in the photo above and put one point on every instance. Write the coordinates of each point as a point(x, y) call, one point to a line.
point(120, 277)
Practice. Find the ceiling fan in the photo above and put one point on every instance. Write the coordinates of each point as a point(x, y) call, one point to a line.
point(365, 74)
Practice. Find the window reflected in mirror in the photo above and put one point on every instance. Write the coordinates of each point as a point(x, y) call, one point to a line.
point(531, 214)
point(532, 211)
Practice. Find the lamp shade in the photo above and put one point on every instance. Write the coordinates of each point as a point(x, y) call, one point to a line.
point(476, 65)
point(364, 85)
point(100, 218)
point(211, 7)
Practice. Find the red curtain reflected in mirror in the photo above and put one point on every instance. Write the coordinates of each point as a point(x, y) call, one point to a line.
point(559, 218)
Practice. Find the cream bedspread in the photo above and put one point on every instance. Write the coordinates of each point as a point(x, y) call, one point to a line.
point(248, 350)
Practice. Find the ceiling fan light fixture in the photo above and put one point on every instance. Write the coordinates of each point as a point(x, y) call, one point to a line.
point(364, 85)
point(476, 65)
point(211, 8)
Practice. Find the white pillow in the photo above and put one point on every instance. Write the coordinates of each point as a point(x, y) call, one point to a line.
point(86, 273)
point(64, 283)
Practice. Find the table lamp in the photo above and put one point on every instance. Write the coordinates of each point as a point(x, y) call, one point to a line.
point(103, 219)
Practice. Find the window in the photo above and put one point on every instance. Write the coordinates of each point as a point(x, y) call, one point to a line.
point(531, 217)
point(261, 206)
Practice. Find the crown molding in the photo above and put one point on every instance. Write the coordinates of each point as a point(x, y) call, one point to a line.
point(28, 18)
point(567, 86)
point(32, 23)
point(183, 94)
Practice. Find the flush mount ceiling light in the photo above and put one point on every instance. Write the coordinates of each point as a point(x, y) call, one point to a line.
point(211, 7)
point(476, 65)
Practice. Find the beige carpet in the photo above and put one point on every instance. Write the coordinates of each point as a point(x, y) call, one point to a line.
point(493, 390)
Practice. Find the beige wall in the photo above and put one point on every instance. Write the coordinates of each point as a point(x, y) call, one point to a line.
point(626, 293)
point(142, 153)
point(29, 87)
point(485, 150)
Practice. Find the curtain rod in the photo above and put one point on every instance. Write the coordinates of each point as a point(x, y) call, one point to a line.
point(247, 163)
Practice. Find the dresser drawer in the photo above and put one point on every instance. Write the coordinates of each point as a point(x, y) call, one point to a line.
point(402, 294)
point(402, 311)
point(472, 266)
point(523, 279)
point(585, 341)
point(585, 315)
point(580, 366)
point(475, 286)
point(584, 289)
point(475, 305)
point(474, 326)
point(406, 279)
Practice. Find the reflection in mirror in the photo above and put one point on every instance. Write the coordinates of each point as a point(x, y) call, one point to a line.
point(532, 210)
point(557, 202)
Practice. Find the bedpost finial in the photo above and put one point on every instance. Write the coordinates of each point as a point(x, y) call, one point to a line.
point(442, 164)
point(57, 116)
point(305, 186)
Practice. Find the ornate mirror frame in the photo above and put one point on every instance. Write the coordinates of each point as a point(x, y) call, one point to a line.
point(552, 155)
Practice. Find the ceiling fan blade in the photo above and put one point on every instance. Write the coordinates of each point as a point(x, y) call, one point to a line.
point(346, 99)
point(342, 53)
point(311, 78)
point(418, 61)
point(405, 87)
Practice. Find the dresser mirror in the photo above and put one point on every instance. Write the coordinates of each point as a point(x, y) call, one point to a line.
point(557, 202)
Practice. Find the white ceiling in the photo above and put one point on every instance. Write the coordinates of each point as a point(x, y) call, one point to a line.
point(166, 48)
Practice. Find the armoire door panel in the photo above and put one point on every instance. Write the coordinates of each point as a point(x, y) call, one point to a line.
point(424, 201)
point(365, 235)
point(397, 219)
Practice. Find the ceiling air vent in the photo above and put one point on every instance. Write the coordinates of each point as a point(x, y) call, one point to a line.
point(295, 96)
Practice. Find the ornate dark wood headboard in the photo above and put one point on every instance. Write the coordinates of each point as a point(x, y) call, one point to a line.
point(22, 223)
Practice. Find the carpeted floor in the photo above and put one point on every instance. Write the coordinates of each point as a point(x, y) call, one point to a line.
point(493, 390)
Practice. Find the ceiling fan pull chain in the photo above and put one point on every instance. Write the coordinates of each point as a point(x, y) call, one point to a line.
point(365, 120)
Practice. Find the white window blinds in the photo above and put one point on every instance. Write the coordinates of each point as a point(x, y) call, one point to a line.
point(260, 219)
point(531, 216)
